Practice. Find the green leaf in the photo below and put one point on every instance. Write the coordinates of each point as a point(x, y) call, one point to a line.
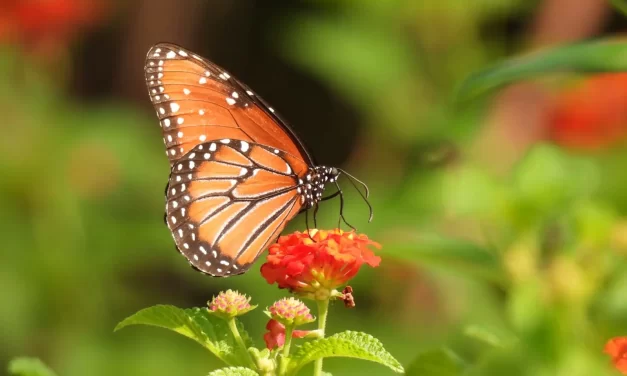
point(29, 367)
point(458, 254)
point(620, 5)
point(544, 182)
point(441, 362)
point(195, 323)
point(234, 371)
point(346, 344)
point(606, 55)
point(492, 336)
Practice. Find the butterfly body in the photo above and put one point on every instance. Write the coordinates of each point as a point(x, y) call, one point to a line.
point(238, 172)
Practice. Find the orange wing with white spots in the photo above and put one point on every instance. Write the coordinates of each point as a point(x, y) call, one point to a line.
point(197, 101)
point(227, 200)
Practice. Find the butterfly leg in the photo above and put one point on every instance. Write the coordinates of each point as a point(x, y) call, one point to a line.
point(165, 215)
point(341, 194)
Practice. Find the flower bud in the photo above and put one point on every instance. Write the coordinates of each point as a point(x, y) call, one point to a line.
point(229, 304)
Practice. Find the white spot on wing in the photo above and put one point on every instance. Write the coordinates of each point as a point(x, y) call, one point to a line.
point(245, 146)
point(186, 91)
point(170, 55)
point(230, 101)
point(174, 107)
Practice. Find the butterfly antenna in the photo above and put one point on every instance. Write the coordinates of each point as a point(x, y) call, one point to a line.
point(315, 215)
point(342, 209)
point(358, 181)
point(352, 180)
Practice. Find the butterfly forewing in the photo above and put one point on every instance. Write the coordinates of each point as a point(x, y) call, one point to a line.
point(197, 101)
point(228, 199)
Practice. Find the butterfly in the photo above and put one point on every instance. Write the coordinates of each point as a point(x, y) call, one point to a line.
point(238, 173)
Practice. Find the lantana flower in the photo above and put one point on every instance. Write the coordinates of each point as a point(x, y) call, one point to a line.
point(314, 264)
point(617, 349)
point(229, 304)
point(290, 311)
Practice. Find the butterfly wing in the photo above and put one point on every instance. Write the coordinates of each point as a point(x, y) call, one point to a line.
point(227, 200)
point(197, 101)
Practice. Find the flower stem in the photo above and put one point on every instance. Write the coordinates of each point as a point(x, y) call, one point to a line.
point(286, 349)
point(240, 341)
point(323, 309)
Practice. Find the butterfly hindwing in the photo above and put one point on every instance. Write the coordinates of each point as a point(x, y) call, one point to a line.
point(228, 199)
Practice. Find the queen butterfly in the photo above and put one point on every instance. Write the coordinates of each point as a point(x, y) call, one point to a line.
point(238, 171)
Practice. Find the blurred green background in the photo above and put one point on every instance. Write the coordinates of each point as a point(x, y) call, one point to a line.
point(502, 215)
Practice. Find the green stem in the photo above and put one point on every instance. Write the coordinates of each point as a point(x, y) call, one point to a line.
point(240, 342)
point(323, 309)
point(286, 349)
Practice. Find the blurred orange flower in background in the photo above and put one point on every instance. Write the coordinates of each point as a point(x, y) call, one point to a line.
point(617, 349)
point(40, 23)
point(592, 115)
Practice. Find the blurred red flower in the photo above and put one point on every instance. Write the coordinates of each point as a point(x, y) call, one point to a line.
point(591, 115)
point(35, 22)
point(313, 266)
point(617, 349)
point(275, 336)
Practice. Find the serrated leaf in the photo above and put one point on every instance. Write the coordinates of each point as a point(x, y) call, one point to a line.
point(234, 371)
point(29, 367)
point(440, 362)
point(197, 324)
point(605, 55)
point(346, 344)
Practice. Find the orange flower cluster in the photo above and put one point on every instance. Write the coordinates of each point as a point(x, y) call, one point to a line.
point(591, 115)
point(314, 264)
point(617, 349)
